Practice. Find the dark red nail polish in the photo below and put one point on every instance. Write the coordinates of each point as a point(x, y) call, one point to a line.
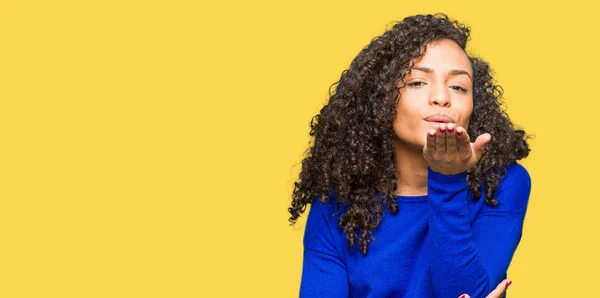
point(431, 135)
point(450, 129)
point(442, 129)
point(459, 133)
point(508, 283)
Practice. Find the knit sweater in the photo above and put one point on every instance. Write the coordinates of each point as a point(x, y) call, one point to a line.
point(442, 244)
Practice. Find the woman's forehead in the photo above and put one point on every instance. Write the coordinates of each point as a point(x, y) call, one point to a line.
point(444, 56)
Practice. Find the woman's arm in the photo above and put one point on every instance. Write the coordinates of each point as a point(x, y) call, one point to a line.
point(467, 258)
point(324, 274)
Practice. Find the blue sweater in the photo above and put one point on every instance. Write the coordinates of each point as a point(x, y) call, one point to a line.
point(443, 244)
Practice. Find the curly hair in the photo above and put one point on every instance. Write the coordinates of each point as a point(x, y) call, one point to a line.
point(352, 155)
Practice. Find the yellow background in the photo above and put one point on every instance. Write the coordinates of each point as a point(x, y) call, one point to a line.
point(148, 148)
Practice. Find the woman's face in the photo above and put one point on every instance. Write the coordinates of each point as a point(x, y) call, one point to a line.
point(440, 83)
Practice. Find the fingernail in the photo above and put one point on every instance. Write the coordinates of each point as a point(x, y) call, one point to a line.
point(508, 283)
point(431, 134)
point(442, 129)
point(462, 296)
point(450, 129)
point(459, 133)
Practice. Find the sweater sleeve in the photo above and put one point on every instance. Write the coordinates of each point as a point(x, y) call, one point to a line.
point(324, 273)
point(473, 258)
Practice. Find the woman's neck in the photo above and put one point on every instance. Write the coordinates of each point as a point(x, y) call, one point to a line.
point(411, 168)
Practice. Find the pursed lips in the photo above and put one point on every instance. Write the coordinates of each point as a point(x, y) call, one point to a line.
point(436, 119)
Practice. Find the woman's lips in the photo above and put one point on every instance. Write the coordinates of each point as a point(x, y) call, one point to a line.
point(434, 123)
point(436, 119)
point(443, 118)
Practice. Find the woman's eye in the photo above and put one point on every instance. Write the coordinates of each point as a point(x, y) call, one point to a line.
point(416, 84)
point(458, 88)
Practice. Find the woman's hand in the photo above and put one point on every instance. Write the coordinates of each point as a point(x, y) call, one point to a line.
point(448, 149)
point(496, 293)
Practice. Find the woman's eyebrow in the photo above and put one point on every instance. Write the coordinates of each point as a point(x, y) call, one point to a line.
point(451, 72)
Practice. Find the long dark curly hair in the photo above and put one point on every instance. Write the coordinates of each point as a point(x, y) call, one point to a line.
point(352, 154)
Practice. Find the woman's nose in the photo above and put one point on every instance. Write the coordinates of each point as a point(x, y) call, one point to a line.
point(440, 96)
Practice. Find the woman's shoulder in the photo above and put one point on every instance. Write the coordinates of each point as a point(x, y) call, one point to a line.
point(518, 170)
point(331, 208)
point(514, 189)
point(321, 232)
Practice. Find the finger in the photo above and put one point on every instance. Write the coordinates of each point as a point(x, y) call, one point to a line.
point(430, 144)
point(480, 143)
point(500, 289)
point(464, 296)
point(440, 140)
point(464, 145)
point(451, 147)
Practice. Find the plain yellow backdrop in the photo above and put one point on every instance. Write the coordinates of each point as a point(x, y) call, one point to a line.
point(148, 148)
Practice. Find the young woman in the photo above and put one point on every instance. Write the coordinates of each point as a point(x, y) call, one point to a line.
point(412, 178)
